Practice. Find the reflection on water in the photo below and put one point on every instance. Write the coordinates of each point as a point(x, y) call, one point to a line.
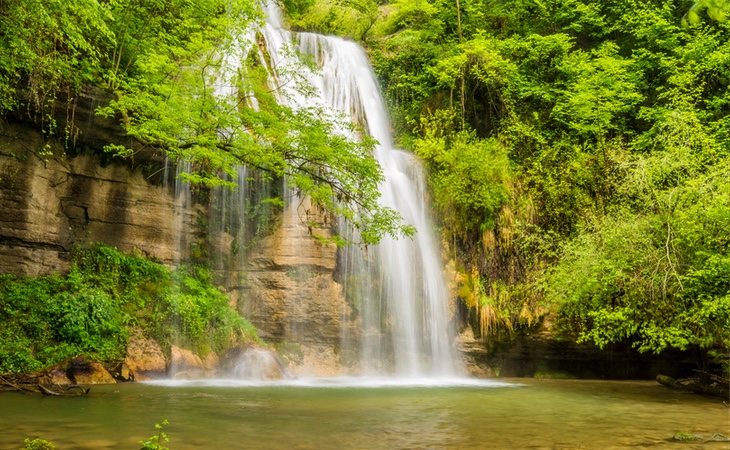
point(339, 414)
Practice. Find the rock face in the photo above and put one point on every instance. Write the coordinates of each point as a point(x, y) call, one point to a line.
point(287, 286)
point(543, 355)
point(292, 295)
point(49, 204)
point(76, 371)
point(184, 364)
point(144, 360)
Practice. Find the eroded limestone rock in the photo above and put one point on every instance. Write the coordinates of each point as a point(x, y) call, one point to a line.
point(184, 364)
point(49, 204)
point(292, 294)
point(144, 360)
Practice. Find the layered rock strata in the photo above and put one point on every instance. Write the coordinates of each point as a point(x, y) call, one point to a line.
point(292, 295)
point(48, 204)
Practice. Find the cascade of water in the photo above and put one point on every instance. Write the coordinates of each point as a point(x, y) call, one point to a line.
point(237, 217)
point(227, 226)
point(182, 208)
point(402, 300)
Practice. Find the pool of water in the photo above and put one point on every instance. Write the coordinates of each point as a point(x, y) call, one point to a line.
point(370, 414)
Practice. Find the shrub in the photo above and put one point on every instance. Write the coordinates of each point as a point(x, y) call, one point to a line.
point(91, 310)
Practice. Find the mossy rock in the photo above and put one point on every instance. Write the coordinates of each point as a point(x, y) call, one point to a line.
point(684, 436)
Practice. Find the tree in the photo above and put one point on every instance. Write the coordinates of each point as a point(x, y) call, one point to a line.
point(164, 65)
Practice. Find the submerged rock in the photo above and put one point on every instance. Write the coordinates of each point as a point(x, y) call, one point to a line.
point(684, 436)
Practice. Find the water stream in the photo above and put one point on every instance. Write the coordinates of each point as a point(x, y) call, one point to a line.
point(398, 287)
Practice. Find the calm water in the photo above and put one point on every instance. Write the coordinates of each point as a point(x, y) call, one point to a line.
point(529, 414)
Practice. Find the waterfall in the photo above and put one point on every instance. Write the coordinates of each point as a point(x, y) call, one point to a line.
point(182, 208)
point(398, 287)
point(236, 218)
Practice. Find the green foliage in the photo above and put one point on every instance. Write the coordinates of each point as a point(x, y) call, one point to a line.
point(92, 310)
point(658, 278)
point(157, 441)
point(49, 47)
point(37, 444)
point(717, 10)
point(46, 311)
point(579, 150)
point(468, 177)
point(350, 18)
point(165, 66)
point(196, 313)
point(601, 90)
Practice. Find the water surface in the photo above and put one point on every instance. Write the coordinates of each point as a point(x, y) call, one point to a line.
point(362, 414)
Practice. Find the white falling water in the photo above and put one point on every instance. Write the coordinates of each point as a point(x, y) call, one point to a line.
point(399, 285)
point(182, 208)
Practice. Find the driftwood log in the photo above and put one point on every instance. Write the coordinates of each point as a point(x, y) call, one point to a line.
point(43, 389)
point(716, 387)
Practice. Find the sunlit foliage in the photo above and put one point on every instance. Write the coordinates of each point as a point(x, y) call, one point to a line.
point(165, 68)
point(107, 294)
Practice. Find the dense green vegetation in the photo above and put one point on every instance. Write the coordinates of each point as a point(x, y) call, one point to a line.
point(578, 154)
point(105, 297)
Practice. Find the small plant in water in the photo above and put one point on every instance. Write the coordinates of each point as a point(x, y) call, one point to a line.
point(38, 444)
point(684, 436)
point(157, 441)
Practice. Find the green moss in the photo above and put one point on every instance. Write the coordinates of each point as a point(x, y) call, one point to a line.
point(552, 375)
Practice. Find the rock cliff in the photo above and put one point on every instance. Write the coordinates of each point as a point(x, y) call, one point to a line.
point(292, 295)
point(49, 203)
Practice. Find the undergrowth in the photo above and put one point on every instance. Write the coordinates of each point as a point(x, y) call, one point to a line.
point(93, 309)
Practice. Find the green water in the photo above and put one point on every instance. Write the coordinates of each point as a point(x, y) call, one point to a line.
point(534, 415)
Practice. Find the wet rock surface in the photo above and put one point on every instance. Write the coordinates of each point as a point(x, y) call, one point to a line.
point(292, 294)
point(544, 355)
point(185, 364)
point(48, 204)
point(78, 370)
point(145, 359)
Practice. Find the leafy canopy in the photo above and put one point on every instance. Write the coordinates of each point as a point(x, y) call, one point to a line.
point(183, 77)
